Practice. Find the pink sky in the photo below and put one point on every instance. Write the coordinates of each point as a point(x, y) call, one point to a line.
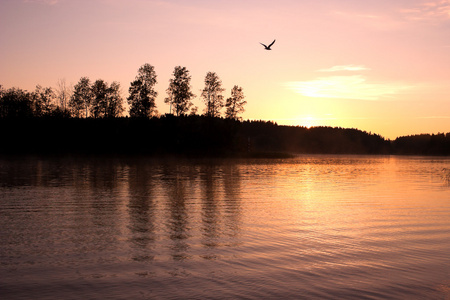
point(379, 66)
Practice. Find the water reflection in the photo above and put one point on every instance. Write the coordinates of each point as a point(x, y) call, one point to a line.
point(141, 210)
point(210, 203)
point(312, 226)
point(174, 181)
point(232, 188)
point(176, 209)
point(446, 176)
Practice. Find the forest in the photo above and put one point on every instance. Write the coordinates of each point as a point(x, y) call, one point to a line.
point(99, 100)
point(199, 135)
point(89, 118)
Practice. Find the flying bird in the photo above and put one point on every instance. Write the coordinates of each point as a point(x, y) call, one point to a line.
point(268, 47)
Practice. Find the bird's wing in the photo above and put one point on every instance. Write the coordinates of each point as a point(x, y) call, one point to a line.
point(263, 45)
point(272, 43)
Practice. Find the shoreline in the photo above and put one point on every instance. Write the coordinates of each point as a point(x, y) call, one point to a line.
point(200, 136)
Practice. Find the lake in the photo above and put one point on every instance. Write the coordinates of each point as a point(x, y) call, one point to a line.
point(309, 227)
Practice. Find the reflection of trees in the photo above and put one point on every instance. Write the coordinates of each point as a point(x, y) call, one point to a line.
point(232, 189)
point(210, 201)
point(73, 204)
point(446, 176)
point(177, 223)
point(19, 172)
point(141, 210)
point(97, 203)
point(98, 182)
point(220, 195)
point(181, 208)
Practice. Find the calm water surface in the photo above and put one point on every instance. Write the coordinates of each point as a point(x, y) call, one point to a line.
point(312, 227)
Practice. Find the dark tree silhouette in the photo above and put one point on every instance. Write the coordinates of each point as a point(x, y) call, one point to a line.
point(423, 144)
point(212, 95)
point(81, 98)
point(63, 94)
point(107, 101)
point(142, 92)
point(235, 104)
point(99, 98)
point(25, 116)
point(179, 91)
point(194, 110)
point(43, 101)
point(15, 103)
point(115, 107)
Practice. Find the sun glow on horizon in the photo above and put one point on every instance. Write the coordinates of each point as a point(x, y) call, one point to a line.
point(307, 121)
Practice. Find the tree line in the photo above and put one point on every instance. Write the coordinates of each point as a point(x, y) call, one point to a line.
point(86, 118)
point(99, 99)
point(200, 135)
point(423, 144)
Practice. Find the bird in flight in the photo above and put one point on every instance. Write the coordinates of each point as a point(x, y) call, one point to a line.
point(268, 47)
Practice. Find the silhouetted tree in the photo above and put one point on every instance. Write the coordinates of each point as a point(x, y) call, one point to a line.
point(43, 101)
point(107, 101)
point(115, 101)
point(193, 111)
point(99, 98)
point(423, 144)
point(142, 92)
point(15, 103)
point(179, 91)
point(235, 104)
point(212, 95)
point(63, 93)
point(81, 98)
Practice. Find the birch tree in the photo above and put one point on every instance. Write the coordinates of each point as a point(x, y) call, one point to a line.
point(212, 95)
point(179, 91)
point(142, 92)
point(81, 98)
point(235, 104)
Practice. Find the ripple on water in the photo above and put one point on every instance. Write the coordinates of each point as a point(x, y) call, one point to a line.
point(320, 227)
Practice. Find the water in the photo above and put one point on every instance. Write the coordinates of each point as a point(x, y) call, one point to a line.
point(312, 227)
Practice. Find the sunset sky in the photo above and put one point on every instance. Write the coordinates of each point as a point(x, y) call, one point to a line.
point(382, 66)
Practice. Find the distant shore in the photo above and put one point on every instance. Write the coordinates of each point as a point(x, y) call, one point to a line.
point(200, 136)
